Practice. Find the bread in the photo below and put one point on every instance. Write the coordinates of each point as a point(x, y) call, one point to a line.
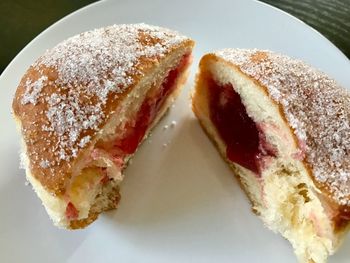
point(84, 107)
point(284, 129)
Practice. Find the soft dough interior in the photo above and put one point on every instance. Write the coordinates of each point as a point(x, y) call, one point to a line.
point(119, 140)
point(280, 189)
point(97, 173)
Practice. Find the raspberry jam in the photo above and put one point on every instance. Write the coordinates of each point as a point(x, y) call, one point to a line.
point(71, 212)
point(246, 145)
point(136, 129)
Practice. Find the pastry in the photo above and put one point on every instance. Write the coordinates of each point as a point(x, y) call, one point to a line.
point(284, 128)
point(84, 107)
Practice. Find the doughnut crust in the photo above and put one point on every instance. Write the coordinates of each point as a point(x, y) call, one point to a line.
point(303, 187)
point(87, 91)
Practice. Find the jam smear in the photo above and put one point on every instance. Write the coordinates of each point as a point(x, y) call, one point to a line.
point(71, 212)
point(246, 145)
point(136, 129)
point(104, 179)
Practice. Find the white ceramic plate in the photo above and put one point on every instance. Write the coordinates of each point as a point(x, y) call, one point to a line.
point(180, 203)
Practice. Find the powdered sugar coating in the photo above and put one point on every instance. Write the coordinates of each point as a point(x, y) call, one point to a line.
point(68, 94)
point(316, 107)
point(103, 60)
point(33, 90)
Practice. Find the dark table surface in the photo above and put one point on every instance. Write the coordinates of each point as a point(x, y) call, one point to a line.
point(22, 20)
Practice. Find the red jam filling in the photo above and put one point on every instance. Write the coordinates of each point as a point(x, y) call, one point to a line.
point(105, 179)
point(71, 212)
point(136, 129)
point(246, 145)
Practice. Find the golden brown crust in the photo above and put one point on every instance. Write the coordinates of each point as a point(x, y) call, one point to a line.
point(70, 92)
point(112, 197)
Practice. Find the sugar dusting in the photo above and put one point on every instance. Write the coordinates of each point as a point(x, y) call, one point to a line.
point(316, 107)
point(23, 161)
point(44, 164)
point(92, 67)
point(33, 90)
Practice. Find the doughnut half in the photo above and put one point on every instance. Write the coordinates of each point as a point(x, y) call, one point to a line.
point(84, 107)
point(284, 129)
